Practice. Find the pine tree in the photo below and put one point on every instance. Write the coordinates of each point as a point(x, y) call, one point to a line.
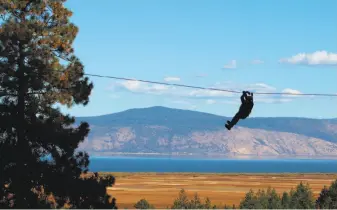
point(324, 200)
point(285, 200)
point(274, 200)
point(182, 201)
point(302, 197)
point(251, 201)
point(38, 69)
point(328, 197)
point(333, 194)
point(143, 204)
point(195, 203)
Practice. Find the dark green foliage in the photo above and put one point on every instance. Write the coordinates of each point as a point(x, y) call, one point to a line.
point(143, 204)
point(302, 197)
point(261, 200)
point(271, 200)
point(182, 202)
point(333, 194)
point(285, 201)
point(208, 204)
point(328, 197)
point(38, 69)
point(250, 201)
point(195, 203)
point(324, 200)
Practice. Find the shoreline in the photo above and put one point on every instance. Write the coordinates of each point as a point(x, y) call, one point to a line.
point(207, 157)
point(211, 174)
point(211, 166)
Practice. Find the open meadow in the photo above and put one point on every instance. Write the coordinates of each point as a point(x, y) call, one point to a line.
point(161, 189)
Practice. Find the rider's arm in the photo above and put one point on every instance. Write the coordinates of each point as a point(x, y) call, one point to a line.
point(243, 98)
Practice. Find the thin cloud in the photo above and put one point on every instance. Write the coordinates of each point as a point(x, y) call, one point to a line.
point(210, 101)
point(193, 107)
point(315, 58)
point(201, 75)
point(179, 102)
point(136, 86)
point(209, 96)
point(291, 91)
point(257, 61)
point(172, 79)
point(260, 87)
point(115, 96)
point(231, 65)
point(294, 93)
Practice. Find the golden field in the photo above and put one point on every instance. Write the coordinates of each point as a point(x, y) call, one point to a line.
point(161, 189)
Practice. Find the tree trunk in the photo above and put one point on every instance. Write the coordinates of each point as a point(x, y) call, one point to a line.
point(21, 145)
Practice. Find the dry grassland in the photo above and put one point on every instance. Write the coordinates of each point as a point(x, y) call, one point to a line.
point(160, 189)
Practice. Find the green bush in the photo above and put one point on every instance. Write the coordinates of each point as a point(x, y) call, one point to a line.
point(250, 201)
point(143, 204)
point(328, 197)
point(182, 202)
point(302, 197)
point(285, 201)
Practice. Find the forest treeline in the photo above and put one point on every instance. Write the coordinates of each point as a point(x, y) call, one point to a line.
point(299, 198)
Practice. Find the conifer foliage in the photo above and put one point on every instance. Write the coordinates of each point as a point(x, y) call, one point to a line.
point(38, 69)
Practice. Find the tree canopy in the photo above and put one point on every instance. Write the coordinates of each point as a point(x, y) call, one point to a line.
point(143, 204)
point(182, 202)
point(327, 199)
point(38, 69)
point(302, 197)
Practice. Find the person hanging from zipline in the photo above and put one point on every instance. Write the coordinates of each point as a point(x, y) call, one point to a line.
point(246, 107)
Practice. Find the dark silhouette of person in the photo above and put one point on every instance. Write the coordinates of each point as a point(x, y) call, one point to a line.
point(246, 107)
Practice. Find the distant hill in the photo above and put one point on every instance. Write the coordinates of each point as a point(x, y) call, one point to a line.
point(164, 130)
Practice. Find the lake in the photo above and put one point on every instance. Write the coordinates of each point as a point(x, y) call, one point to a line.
point(143, 164)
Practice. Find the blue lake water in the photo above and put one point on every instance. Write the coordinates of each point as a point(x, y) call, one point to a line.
point(141, 164)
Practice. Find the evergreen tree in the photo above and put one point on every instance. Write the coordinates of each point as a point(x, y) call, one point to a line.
point(285, 201)
point(262, 200)
point(302, 197)
point(324, 200)
point(182, 201)
point(38, 69)
point(208, 204)
point(195, 203)
point(274, 200)
point(333, 194)
point(328, 197)
point(250, 201)
point(143, 204)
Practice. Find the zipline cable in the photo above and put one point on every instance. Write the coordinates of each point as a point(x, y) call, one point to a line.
point(196, 87)
point(214, 89)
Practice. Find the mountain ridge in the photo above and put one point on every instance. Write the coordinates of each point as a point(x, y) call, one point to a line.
point(166, 130)
point(186, 110)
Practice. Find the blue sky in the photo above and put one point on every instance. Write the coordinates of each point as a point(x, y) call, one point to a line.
point(260, 45)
